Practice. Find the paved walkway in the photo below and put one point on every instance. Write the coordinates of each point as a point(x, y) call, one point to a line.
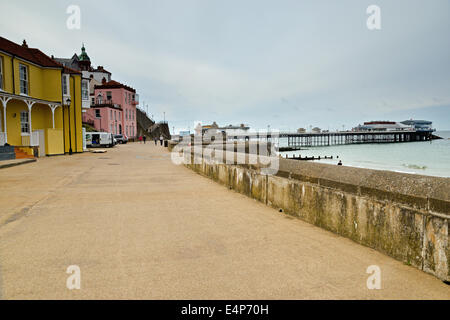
point(140, 227)
point(14, 162)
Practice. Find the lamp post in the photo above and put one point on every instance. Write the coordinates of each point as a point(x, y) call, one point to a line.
point(68, 102)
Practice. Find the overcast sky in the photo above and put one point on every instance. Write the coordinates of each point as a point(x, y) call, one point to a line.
point(289, 64)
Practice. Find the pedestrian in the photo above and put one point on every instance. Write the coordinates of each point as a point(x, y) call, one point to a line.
point(156, 141)
point(140, 139)
point(161, 139)
point(340, 163)
point(145, 138)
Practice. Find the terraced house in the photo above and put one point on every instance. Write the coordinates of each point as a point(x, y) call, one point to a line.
point(40, 103)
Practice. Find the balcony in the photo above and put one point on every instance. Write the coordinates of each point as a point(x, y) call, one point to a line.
point(101, 103)
point(136, 100)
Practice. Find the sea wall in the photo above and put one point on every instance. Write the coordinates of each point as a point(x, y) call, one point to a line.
point(404, 216)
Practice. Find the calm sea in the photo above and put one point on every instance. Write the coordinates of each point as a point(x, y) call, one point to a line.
point(425, 157)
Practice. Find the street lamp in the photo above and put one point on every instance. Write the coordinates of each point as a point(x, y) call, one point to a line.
point(68, 102)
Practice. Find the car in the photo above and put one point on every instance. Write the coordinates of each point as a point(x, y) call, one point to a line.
point(121, 138)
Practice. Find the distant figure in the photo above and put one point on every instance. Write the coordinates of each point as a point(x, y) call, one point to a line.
point(161, 139)
point(156, 141)
point(140, 139)
point(145, 138)
point(340, 163)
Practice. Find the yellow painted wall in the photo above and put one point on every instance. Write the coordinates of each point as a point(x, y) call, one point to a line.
point(54, 142)
point(13, 121)
point(44, 84)
point(7, 73)
point(73, 117)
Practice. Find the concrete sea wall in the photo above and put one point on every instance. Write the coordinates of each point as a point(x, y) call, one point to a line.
point(404, 216)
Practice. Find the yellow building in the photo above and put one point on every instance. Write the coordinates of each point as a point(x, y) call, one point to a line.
point(40, 102)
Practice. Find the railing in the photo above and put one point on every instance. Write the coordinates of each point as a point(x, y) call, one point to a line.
point(106, 103)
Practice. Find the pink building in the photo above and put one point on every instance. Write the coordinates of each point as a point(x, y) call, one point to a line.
point(114, 109)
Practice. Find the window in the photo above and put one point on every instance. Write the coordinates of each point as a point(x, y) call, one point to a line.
point(65, 85)
point(108, 95)
point(1, 73)
point(93, 101)
point(84, 90)
point(23, 76)
point(24, 122)
point(110, 114)
point(97, 113)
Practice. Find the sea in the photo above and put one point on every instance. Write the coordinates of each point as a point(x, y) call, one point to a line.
point(430, 158)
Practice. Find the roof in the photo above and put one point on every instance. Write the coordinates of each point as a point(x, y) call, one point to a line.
point(416, 122)
point(70, 70)
point(100, 69)
point(30, 54)
point(114, 85)
point(68, 61)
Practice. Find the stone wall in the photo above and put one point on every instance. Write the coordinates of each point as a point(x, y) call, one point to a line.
point(404, 216)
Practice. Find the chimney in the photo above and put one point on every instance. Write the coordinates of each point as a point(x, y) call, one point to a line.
point(24, 44)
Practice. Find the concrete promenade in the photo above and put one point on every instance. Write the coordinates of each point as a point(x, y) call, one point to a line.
point(140, 227)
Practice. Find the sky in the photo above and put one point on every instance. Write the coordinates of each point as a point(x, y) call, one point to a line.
point(287, 64)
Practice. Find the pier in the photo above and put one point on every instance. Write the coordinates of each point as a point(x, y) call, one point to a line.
point(297, 140)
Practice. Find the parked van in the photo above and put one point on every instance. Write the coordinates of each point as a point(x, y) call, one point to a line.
point(100, 139)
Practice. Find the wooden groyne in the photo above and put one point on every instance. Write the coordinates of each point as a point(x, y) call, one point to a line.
point(299, 157)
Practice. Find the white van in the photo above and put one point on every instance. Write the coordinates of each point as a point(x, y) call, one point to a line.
point(100, 139)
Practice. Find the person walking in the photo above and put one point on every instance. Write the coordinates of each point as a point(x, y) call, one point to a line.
point(161, 139)
point(140, 139)
point(156, 141)
point(145, 138)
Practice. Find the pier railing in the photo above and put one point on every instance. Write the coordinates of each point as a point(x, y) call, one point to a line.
point(337, 138)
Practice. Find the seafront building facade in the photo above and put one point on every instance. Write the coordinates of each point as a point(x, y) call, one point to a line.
point(114, 109)
point(41, 102)
point(112, 105)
